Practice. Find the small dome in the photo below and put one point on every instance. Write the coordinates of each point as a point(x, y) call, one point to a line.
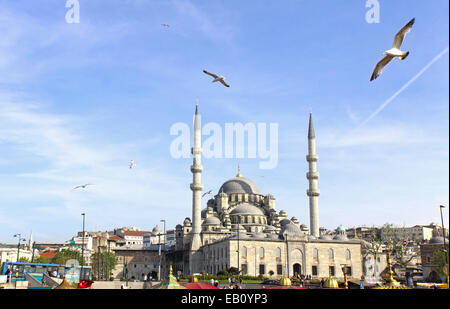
point(179, 227)
point(212, 221)
point(340, 237)
point(291, 230)
point(325, 237)
point(156, 230)
point(187, 221)
point(246, 209)
point(285, 221)
point(239, 185)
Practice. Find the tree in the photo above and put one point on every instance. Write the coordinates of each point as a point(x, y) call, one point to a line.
point(68, 254)
point(42, 260)
point(24, 259)
point(440, 260)
point(102, 261)
point(222, 272)
point(233, 271)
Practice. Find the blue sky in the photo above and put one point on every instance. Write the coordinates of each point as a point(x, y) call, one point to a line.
point(79, 101)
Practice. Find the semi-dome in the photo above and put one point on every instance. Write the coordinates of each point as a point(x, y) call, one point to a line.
point(272, 236)
point(269, 229)
point(247, 209)
point(239, 185)
point(258, 235)
point(212, 221)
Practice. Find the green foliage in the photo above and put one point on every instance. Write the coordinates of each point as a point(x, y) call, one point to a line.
point(67, 254)
point(24, 260)
point(233, 271)
point(440, 260)
point(42, 260)
point(107, 260)
point(223, 272)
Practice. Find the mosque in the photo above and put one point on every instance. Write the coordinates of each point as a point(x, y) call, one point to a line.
point(241, 228)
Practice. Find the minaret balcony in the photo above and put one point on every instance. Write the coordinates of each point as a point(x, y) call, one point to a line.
point(196, 186)
point(312, 175)
point(315, 192)
point(312, 158)
point(196, 168)
point(196, 151)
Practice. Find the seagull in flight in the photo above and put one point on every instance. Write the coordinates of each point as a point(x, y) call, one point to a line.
point(217, 78)
point(132, 164)
point(165, 25)
point(83, 186)
point(394, 51)
point(206, 193)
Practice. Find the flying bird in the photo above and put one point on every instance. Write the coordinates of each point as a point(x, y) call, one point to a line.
point(132, 164)
point(217, 78)
point(206, 193)
point(165, 25)
point(83, 186)
point(394, 51)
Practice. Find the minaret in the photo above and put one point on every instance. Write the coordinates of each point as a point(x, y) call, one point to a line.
point(196, 188)
point(313, 192)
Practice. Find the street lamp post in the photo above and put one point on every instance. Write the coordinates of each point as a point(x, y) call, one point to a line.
point(164, 221)
point(443, 232)
point(18, 245)
point(82, 247)
point(445, 246)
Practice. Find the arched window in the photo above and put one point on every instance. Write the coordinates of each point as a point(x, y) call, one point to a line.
point(331, 254)
point(261, 252)
point(278, 253)
point(348, 255)
point(244, 251)
point(316, 254)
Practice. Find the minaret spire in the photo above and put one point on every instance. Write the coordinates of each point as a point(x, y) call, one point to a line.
point(239, 171)
point(313, 191)
point(196, 187)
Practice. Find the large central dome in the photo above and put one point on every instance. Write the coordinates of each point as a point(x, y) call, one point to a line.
point(239, 185)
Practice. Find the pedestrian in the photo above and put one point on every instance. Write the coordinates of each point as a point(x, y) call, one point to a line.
point(212, 281)
point(322, 282)
point(145, 277)
point(216, 283)
point(361, 283)
point(240, 280)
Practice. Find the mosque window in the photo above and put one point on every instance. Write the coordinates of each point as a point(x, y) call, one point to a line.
point(348, 255)
point(316, 254)
point(332, 270)
point(279, 269)
point(262, 269)
point(244, 269)
point(261, 252)
point(314, 270)
point(331, 254)
point(278, 254)
point(244, 251)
